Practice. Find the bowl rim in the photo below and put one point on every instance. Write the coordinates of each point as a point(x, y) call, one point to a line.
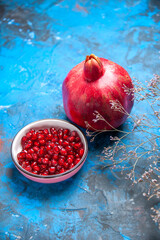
point(57, 175)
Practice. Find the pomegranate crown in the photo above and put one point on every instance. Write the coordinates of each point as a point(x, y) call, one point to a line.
point(93, 68)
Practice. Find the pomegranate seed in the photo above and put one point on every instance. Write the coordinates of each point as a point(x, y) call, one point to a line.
point(60, 141)
point(63, 152)
point(71, 156)
point(33, 164)
point(58, 168)
point(32, 131)
point(27, 146)
point(21, 161)
point(77, 145)
point(24, 164)
point(62, 170)
point(34, 136)
point(71, 165)
point(71, 139)
point(55, 156)
point(53, 131)
point(49, 136)
point(66, 131)
point(74, 134)
point(77, 155)
point(47, 156)
point(68, 148)
point(40, 136)
point(42, 142)
point(45, 173)
point(41, 152)
point(21, 155)
point(36, 168)
point(28, 168)
point(65, 143)
point(77, 160)
point(34, 156)
point(81, 152)
point(40, 131)
point(77, 139)
point(52, 144)
point(29, 135)
point(24, 140)
point(36, 143)
point(45, 131)
point(61, 162)
point(52, 170)
point(49, 163)
point(28, 156)
point(56, 149)
point(39, 160)
point(45, 161)
point(54, 163)
point(48, 148)
point(60, 134)
point(66, 165)
point(27, 163)
point(55, 139)
point(70, 160)
point(51, 152)
point(65, 137)
point(31, 151)
point(43, 166)
point(29, 141)
point(36, 149)
point(43, 147)
point(60, 130)
point(72, 144)
point(34, 172)
point(70, 152)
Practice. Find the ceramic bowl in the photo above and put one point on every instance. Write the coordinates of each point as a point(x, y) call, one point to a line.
point(42, 124)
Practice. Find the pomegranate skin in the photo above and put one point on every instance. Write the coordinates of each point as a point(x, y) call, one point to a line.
point(81, 97)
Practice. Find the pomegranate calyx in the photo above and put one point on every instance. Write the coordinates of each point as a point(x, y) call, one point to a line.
point(93, 68)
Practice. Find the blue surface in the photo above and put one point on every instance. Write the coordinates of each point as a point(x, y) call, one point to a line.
point(40, 42)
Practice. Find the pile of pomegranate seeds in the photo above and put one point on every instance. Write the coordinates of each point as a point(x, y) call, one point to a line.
point(50, 151)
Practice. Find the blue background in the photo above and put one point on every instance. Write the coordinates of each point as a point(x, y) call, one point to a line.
point(40, 42)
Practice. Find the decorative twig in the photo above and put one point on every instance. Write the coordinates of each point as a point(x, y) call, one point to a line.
point(125, 153)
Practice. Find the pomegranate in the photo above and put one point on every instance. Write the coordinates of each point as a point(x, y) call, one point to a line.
point(47, 156)
point(91, 86)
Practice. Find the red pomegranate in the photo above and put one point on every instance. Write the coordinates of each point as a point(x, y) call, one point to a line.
point(91, 86)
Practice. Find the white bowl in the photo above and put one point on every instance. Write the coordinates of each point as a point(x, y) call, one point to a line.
point(42, 124)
